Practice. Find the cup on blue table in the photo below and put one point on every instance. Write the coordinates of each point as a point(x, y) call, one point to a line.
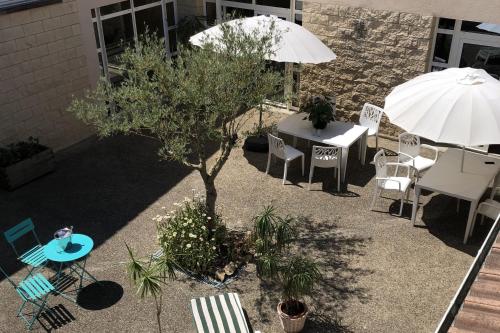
point(63, 237)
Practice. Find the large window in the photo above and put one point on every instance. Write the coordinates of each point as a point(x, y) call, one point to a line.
point(466, 44)
point(290, 10)
point(119, 25)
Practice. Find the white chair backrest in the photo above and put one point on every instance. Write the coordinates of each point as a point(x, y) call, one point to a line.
point(409, 144)
point(276, 146)
point(380, 161)
point(370, 116)
point(326, 156)
point(496, 182)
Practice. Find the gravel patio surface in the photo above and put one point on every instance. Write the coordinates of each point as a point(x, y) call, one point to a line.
point(381, 274)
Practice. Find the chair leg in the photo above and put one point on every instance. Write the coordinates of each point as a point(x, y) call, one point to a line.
point(402, 203)
point(337, 171)
point(311, 172)
point(375, 194)
point(303, 161)
point(268, 162)
point(285, 172)
point(376, 142)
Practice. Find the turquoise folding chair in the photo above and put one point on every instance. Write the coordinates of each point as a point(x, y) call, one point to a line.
point(34, 257)
point(33, 290)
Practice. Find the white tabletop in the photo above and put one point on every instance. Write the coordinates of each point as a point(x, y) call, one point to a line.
point(445, 176)
point(336, 133)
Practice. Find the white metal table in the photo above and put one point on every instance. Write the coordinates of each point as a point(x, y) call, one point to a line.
point(336, 133)
point(446, 178)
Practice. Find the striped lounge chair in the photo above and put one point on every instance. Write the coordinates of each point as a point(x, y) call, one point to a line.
point(219, 314)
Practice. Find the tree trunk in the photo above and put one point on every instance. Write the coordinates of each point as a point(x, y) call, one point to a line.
point(211, 195)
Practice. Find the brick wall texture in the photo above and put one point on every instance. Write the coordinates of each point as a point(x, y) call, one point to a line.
point(42, 64)
point(376, 51)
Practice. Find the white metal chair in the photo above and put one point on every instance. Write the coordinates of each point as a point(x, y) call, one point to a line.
point(370, 117)
point(489, 208)
point(409, 153)
point(326, 157)
point(287, 153)
point(383, 181)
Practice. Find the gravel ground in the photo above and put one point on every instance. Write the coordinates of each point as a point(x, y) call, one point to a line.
point(381, 274)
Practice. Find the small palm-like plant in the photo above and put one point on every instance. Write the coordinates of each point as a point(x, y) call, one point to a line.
point(297, 275)
point(272, 233)
point(298, 278)
point(148, 277)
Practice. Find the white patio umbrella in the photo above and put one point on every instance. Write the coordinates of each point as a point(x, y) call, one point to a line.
point(297, 44)
point(491, 27)
point(458, 106)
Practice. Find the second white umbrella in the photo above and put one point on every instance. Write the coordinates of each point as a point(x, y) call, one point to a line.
point(296, 44)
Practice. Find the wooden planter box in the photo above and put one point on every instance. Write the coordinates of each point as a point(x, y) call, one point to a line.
point(23, 172)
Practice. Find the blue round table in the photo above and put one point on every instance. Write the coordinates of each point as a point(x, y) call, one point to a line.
point(79, 247)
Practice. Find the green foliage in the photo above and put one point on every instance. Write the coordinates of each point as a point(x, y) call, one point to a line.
point(19, 151)
point(190, 236)
point(190, 102)
point(320, 112)
point(272, 236)
point(299, 277)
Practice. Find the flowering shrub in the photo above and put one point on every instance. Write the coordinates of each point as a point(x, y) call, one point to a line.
point(190, 236)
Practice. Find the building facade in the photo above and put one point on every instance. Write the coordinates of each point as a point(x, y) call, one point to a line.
point(54, 51)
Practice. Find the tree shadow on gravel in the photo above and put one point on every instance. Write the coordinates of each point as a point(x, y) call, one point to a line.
point(334, 253)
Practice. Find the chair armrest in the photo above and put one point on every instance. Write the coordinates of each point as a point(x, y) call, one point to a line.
point(494, 204)
point(411, 158)
point(401, 165)
point(436, 151)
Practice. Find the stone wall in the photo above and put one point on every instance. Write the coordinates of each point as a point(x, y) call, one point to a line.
point(42, 64)
point(376, 50)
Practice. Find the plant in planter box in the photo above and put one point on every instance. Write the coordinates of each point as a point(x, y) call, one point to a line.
point(24, 161)
point(296, 275)
point(320, 112)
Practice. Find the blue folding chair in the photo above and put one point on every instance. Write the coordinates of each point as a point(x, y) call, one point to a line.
point(33, 290)
point(34, 257)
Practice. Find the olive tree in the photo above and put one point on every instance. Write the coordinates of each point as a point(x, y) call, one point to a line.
point(191, 102)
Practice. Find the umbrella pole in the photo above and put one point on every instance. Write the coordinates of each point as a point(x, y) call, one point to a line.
point(463, 156)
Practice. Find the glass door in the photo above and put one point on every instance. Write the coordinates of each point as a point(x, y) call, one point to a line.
point(479, 55)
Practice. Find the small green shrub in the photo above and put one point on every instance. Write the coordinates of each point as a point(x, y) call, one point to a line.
point(185, 235)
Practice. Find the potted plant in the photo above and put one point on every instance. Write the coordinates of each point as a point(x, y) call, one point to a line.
point(296, 275)
point(297, 278)
point(23, 162)
point(320, 112)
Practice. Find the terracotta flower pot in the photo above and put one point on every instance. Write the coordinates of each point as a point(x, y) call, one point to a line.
point(292, 324)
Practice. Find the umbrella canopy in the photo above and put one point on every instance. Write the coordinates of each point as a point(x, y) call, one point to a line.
point(457, 106)
point(297, 44)
point(490, 27)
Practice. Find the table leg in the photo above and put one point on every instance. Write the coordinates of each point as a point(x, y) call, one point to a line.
point(470, 220)
point(415, 204)
point(345, 155)
point(364, 145)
